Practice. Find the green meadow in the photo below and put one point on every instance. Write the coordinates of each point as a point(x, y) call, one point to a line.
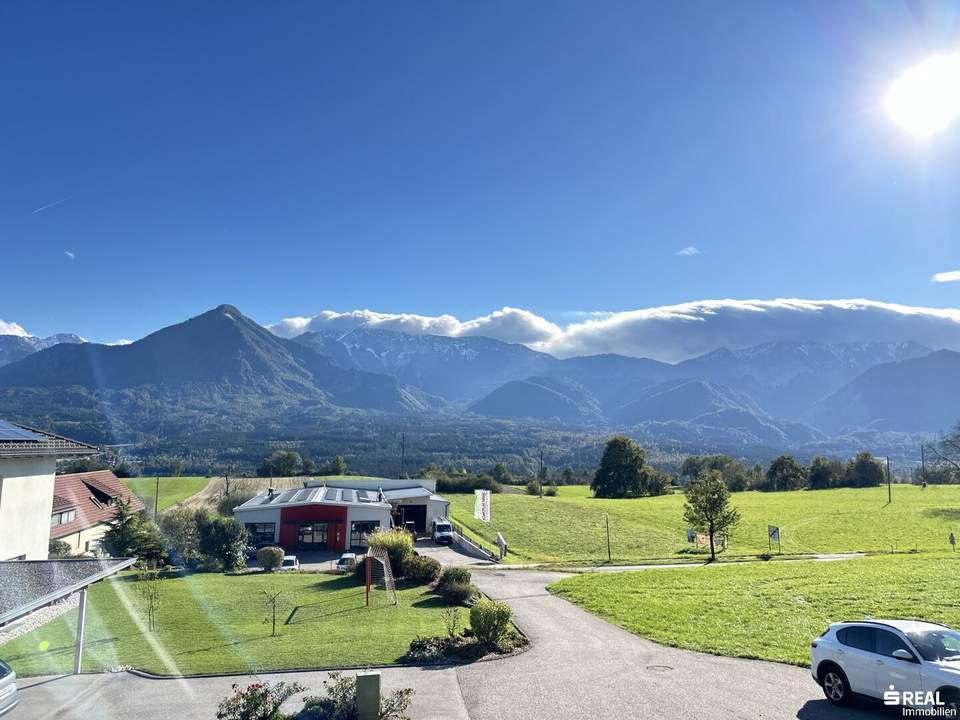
point(572, 526)
point(768, 610)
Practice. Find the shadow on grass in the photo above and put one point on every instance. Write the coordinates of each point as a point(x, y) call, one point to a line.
point(949, 514)
point(430, 602)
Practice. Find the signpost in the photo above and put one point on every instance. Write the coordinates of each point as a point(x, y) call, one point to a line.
point(773, 533)
point(481, 506)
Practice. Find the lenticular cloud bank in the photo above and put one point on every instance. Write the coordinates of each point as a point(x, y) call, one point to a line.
point(673, 332)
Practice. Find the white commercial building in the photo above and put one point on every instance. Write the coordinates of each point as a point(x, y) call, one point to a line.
point(339, 514)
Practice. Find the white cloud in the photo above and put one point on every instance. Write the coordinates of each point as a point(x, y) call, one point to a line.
point(951, 276)
point(688, 251)
point(12, 328)
point(69, 254)
point(674, 332)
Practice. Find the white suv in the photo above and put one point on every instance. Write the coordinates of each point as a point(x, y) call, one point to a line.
point(902, 662)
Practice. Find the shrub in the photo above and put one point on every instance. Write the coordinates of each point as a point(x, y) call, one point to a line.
point(490, 620)
point(227, 503)
point(180, 529)
point(59, 549)
point(451, 620)
point(340, 702)
point(420, 569)
point(533, 487)
point(453, 575)
point(259, 701)
point(551, 490)
point(223, 540)
point(458, 593)
point(426, 650)
point(270, 558)
point(397, 543)
point(467, 483)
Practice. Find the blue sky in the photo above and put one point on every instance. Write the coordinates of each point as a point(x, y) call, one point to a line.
point(459, 157)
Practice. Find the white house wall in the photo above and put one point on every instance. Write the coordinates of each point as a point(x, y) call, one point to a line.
point(26, 503)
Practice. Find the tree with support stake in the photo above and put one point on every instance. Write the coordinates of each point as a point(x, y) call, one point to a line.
point(271, 598)
point(149, 588)
point(708, 507)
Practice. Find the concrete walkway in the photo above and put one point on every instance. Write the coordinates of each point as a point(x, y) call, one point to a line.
point(579, 667)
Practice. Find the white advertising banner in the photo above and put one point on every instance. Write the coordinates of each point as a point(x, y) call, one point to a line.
point(481, 506)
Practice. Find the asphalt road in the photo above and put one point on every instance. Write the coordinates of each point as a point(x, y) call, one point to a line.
point(578, 667)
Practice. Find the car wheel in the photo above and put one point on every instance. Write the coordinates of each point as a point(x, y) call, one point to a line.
point(835, 685)
point(950, 697)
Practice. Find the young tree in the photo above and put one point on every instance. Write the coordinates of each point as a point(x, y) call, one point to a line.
point(569, 478)
point(622, 470)
point(271, 598)
point(177, 466)
point(708, 507)
point(785, 473)
point(149, 587)
point(864, 471)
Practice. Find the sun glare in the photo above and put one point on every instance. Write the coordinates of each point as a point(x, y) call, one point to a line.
point(926, 98)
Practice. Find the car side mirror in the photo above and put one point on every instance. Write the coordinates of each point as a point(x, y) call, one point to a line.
point(901, 654)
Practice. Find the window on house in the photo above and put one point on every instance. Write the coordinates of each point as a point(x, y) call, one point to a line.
point(260, 532)
point(62, 518)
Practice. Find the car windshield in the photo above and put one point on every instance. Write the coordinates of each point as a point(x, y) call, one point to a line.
point(443, 527)
point(4, 670)
point(936, 645)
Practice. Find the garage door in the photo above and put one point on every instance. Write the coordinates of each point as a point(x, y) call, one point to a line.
point(417, 514)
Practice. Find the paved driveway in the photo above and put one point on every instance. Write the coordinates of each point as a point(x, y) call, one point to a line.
point(579, 667)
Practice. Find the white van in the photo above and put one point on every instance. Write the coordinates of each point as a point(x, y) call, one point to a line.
point(441, 531)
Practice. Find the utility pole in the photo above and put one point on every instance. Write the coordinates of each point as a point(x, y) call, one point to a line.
point(156, 501)
point(540, 473)
point(923, 463)
point(403, 454)
point(889, 486)
point(606, 517)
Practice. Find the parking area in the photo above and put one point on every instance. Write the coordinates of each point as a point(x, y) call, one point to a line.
point(448, 554)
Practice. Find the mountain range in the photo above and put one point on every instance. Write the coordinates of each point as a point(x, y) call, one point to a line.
point(222, 369)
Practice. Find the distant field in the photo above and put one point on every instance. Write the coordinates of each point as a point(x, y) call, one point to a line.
point(216, 623)
point(570, 527)
point(768, 610)
point(172, 489)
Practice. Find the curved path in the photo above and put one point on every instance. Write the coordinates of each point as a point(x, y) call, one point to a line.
point(578, 667)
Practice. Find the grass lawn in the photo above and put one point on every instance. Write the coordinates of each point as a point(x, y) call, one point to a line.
point(209, 623)
point(768, 610)
point(172, 489)
point(570, 527)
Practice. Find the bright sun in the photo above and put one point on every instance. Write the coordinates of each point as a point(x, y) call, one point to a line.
point(926, 98)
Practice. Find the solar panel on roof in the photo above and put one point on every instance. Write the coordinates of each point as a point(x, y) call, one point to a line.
point(11, 432)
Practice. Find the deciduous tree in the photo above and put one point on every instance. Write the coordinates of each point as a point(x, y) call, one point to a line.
point(708, 507)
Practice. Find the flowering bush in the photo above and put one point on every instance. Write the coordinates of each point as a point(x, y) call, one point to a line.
point(259, 701)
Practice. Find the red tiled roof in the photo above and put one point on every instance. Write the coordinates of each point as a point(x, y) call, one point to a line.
point(81, 491)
